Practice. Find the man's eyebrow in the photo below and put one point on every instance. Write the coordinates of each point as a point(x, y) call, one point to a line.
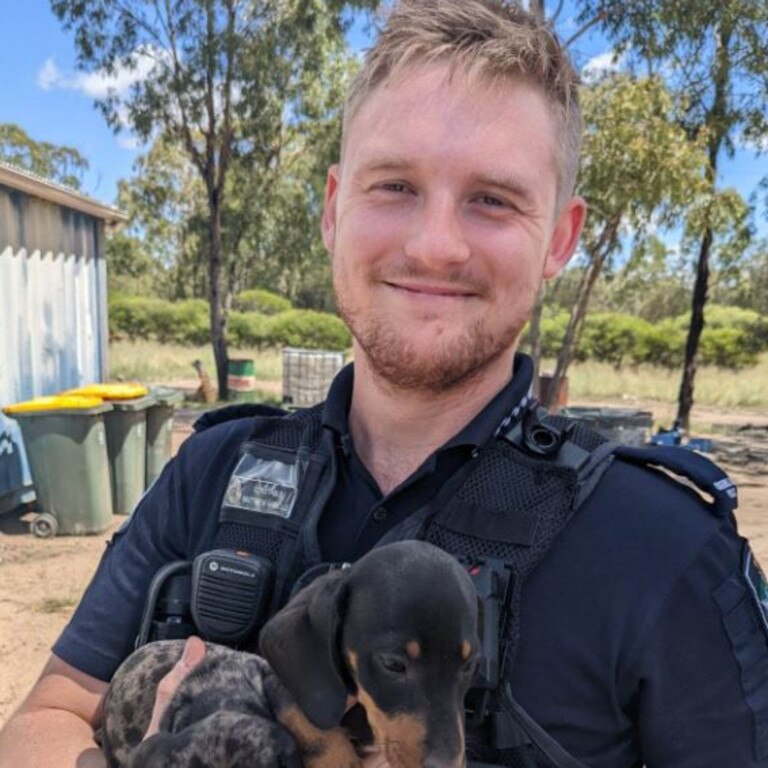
point(389, 163)
point(512, 184)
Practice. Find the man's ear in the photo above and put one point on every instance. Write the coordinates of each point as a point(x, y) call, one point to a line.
point(329, 209)
point(565, 236)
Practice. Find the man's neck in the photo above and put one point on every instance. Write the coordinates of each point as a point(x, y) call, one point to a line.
point(394, 430)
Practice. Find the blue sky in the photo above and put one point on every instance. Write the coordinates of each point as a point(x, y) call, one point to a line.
point(42, 92)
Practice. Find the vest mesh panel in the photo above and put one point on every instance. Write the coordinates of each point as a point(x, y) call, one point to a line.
point(251, 538)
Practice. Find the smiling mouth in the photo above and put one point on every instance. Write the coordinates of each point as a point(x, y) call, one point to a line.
point(439, 291)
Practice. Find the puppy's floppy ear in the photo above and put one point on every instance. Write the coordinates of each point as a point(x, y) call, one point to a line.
point(301, 643)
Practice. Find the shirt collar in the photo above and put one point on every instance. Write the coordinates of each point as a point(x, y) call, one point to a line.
point(498, 414)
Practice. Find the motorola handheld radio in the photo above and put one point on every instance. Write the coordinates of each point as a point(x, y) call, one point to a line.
point(222, 595)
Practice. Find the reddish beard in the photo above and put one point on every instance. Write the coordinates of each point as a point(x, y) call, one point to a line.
point(452, 362)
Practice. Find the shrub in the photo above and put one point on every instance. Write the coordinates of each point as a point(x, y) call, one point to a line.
point(727, 348)
point(309, 329)
point(609, 337)
point(552, 331)
point(132, 317)
point(185, 322)
point(181, 321)
point(261, 301)
point(662, 345)
point(248, 329)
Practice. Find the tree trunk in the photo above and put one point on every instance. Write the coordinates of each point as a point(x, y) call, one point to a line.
point(699, 300)
point(579, 313)
point(534, 338)
point(717, 123)
point(218, 314)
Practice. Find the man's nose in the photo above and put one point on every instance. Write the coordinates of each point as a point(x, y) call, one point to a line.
point(435, 237)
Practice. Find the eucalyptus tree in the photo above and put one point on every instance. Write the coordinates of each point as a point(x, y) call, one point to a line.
point(639, 173)
point(226, 78)
point(714, 51)
point(60, 163)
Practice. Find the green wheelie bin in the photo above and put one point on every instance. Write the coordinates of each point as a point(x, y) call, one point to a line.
point(66, 446)
point(160, 430)
point(126, 425)
point(127, 449)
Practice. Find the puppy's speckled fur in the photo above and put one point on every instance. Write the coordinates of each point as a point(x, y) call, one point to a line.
point(232, 724)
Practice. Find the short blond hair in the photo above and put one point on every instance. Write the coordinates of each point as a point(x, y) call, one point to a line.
point(486, 37)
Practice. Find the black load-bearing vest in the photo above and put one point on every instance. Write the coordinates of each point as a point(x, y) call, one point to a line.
point(499, 514)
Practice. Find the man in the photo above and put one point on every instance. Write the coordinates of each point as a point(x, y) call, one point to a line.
point(636, 638)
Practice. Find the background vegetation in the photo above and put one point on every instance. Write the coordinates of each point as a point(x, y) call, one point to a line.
point(240, 119)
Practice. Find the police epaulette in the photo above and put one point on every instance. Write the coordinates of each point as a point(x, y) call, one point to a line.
point(699, 470)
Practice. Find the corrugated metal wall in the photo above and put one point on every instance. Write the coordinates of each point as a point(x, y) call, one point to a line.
point(52, 298)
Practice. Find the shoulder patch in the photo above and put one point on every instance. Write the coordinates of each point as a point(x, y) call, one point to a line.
point(757, 584)
point(743, 601)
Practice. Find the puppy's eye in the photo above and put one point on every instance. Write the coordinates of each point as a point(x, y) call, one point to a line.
point(393, 664)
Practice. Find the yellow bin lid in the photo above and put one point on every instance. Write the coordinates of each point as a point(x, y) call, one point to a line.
point(111, 391)
point(54, 403)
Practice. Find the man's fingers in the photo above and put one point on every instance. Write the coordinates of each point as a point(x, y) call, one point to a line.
point(194, 652)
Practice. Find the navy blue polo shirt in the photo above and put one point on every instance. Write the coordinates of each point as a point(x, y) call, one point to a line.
point(641, 640)
point(358, 514)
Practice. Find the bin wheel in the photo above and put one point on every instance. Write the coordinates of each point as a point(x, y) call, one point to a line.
point(44, 526)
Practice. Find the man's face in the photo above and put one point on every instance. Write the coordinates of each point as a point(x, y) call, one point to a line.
point(441, 223)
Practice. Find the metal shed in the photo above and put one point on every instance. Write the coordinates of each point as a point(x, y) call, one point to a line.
point(53, 303)
point(53, 286)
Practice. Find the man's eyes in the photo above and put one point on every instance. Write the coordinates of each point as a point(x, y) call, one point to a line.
point(485, 200)
point(493, 202)
point(394, 186)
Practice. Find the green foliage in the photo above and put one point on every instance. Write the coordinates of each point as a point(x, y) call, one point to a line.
point(726, 348)
point(663, 345)
point(60, 163)
point(552, 331)
point(249, 329)
point(309, 329)
point(613, 338)
point(186, 322)
point(261, 300)
point(747, 285)
point(733, 338)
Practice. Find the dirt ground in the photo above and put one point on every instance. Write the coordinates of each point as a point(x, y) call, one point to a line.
point(41, 580)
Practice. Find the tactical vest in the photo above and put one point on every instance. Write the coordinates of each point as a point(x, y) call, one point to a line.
point(503, 509)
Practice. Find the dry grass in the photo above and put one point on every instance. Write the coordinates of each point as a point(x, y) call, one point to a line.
point(151, 361)
point(55, 604)
point(713, 386)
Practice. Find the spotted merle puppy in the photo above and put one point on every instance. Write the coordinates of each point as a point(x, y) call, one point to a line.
point(398, 631)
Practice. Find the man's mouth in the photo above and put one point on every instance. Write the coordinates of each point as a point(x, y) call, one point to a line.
point(432, 289)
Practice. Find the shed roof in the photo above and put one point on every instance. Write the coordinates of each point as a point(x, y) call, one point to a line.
point(32, 184)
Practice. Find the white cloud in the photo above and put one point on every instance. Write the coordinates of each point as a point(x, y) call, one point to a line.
point(49, 75)
point(100, 84)
point(127, 141)
point(756, 144)
point(601, 65)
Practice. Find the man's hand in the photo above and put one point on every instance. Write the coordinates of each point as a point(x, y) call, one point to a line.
point(194, 653)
